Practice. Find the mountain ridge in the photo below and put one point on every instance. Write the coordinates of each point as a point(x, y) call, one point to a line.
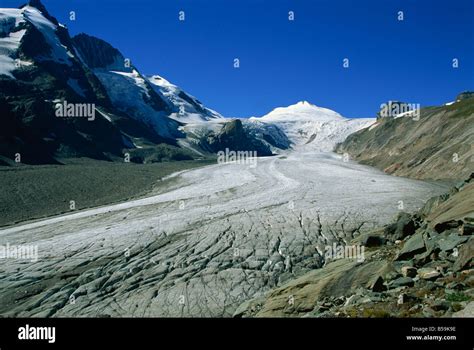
point(41, 64)
point(435, 145)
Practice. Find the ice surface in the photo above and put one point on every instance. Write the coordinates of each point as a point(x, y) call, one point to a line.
point(215, 237)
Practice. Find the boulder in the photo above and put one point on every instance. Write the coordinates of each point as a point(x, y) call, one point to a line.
point(466, 229)
point(402, 299)
point(465, 256)
point(428, 273)
point(468, 311)
point(450, 242)
point(377, 284)
point(403, 227)
point(371, 240)
point(415, 245)
point(448, 225)
point(440, 305)
point(409, 271)
point(401, 282)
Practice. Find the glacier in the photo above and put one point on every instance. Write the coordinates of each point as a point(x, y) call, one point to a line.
point(205, 242)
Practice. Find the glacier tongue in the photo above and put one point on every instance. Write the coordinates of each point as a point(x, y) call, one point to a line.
point(244, 230)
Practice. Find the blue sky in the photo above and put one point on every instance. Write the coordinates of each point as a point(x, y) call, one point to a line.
point(283, 62)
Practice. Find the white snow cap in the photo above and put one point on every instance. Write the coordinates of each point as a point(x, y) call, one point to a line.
point(302, 110)
point(313, 128)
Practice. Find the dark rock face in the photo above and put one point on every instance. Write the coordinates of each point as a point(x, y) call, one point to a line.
point(404, 226)
point(415, 245)
point(30, 126)
point(234, 138)
point(97, 53)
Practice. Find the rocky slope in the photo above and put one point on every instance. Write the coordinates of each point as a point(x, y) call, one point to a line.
point(419, 266)
point(234, 134)
point(437, 145)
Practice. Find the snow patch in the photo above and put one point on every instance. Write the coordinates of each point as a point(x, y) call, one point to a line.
point(129, 93)
point(10, 39)
point(104, 115)
point(186, 108)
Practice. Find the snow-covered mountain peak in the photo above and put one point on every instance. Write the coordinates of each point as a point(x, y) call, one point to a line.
point(311, 127)
point(303, 104)
point(15, 23)
point(302, 110)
